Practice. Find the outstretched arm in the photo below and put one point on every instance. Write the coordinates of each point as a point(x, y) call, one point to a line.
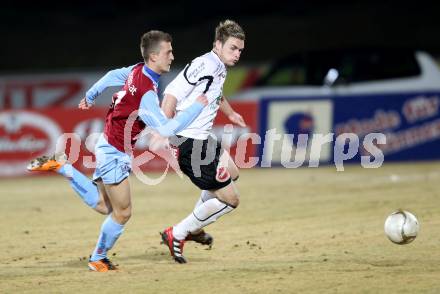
point(233, 116)
point(116, 77)
point(153, 116)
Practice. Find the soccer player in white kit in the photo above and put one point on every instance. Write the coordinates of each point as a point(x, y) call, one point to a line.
point(199, 155)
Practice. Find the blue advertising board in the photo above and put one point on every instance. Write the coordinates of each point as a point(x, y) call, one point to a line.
point(410, 123)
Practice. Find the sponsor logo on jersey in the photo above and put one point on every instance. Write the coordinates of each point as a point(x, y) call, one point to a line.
point(215, 105)
point(132, 89)
point(194, 73)
point(218, 99)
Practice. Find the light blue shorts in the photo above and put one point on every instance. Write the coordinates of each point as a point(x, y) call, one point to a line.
point(112, 165)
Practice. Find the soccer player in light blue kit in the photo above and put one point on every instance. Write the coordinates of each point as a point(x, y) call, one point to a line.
point(135, 105)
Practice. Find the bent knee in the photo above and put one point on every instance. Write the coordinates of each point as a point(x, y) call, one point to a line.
point(122, 215)
point(103, 208)
point(235, 202)
point(234, 173)
point(232, 200)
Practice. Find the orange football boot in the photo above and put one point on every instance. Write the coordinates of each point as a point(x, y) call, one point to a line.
point(102, 265)
point(46, 163)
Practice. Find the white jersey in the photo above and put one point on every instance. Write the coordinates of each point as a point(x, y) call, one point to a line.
point(205, 74)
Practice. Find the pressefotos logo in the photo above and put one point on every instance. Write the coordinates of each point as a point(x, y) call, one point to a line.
point(343, 146)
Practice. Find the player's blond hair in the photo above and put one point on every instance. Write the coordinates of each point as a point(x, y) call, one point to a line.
point(226, 29)
point(150, 42)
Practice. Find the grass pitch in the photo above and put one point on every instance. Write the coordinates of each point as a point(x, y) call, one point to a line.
point(308, 230)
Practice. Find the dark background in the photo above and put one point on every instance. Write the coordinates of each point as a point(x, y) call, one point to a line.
point(43, 36)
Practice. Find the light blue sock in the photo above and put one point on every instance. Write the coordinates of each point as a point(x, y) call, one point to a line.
point(110, 232)
point(82, 185)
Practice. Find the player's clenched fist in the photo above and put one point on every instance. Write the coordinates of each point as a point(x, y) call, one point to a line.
point(157, 142)
point(202, 100)
point(83, 104)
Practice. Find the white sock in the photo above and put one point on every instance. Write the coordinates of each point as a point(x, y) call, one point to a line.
point(203, 215)
point(204, 196)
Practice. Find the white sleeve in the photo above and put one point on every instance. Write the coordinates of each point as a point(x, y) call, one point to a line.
point(199, 71)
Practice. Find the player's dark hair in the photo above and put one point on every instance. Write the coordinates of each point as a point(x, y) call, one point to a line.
point(226, 29)
point(150, 42)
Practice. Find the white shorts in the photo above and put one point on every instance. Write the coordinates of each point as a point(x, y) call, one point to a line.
point(112, 165)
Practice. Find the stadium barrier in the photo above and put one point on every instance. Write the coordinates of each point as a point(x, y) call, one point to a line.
point(410, 124)
point(29, 133)
point(37, 111)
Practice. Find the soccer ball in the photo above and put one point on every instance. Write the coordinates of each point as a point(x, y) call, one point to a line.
point(401, 227)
